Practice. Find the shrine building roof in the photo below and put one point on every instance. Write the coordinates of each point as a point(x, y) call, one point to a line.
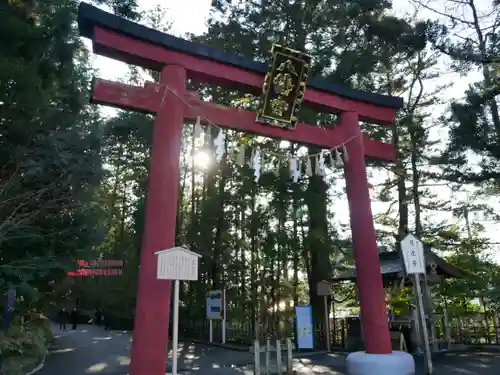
point(391, 266)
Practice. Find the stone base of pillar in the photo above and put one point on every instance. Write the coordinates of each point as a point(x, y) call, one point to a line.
point(397, 363)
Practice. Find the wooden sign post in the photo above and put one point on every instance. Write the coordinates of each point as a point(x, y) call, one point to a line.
point(324, 289)
point(177, 264)
point(414, 260)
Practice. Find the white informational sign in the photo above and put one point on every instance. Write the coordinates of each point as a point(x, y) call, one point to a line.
point(215, 304)
point(305, 329)
point(413, 255)
point(177, 263)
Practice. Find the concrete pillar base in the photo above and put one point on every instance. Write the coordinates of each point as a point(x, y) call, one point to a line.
point(396, 363)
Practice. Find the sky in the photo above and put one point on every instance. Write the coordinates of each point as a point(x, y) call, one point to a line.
point(190, 16)
point(185, 15)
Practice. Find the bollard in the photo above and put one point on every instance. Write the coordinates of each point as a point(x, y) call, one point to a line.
point(289, 355)
point(279, 371)
point(268, 357)
point(447, 335)
point(256, 357)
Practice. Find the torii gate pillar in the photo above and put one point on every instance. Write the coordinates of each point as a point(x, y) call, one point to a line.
point(153, 296)
point(380, 358)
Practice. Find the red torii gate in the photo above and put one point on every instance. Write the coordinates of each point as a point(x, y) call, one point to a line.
point(179, 60)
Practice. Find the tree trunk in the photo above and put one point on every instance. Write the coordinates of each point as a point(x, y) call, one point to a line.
point(318, 244)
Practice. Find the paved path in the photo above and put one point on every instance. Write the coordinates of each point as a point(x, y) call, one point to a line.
point(89, 350)
point(468, 363)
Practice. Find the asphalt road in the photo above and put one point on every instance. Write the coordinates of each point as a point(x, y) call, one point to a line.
point(89, 350)
point(468, 363)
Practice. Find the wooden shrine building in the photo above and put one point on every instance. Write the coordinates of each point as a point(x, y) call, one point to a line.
point(404, 329)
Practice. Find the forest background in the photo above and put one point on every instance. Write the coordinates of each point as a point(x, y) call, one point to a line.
point(74, 176)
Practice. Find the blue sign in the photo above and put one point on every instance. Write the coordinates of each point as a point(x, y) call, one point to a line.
point(9, 308)
point(216, 304)
point(305, 330)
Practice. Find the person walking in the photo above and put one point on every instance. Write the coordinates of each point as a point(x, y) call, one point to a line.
point(74, 318)
point(62, 316)
point(98, 317)
point(106, 321)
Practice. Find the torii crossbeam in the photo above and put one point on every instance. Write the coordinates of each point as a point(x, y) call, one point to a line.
point(179, 60)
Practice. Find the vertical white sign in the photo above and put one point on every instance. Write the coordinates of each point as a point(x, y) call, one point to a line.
point(413, 254)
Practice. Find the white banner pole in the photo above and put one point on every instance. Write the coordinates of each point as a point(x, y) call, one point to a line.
point(211, 333)
point(175, 334)
point(223, 303)
point(423, 324)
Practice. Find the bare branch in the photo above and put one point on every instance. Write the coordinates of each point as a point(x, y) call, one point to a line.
point(447, 15)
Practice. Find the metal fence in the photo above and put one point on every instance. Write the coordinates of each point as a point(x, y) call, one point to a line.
point(475, 330)
point(273, 357)
point(247, 333)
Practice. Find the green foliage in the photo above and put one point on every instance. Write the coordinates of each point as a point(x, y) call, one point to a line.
point(479, 283)
point(124, 8)
point(474, 121)
point(49, 146)
point(402, 303)
point(466, 35)
point(23, 347)
point(269, 243)
point(350, 43)
point(73, 185)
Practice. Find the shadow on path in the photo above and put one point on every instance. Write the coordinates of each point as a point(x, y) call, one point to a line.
point(468, 363)
point(89, 350)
